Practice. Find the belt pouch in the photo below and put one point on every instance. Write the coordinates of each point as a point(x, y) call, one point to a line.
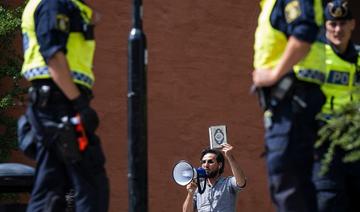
point(66, 143)
point(26, 137)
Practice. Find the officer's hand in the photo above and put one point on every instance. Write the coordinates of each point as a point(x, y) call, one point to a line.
point(264, 77)
point(88, 116)
point(89, 119)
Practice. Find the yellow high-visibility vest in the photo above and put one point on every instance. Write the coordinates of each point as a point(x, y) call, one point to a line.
point(270, 44)
point(341, 81)
point(80, 51)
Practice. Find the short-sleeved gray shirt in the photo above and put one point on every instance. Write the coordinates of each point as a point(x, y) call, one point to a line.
point(219, 198)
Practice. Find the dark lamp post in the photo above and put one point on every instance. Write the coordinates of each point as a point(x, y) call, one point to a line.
point(137, 114)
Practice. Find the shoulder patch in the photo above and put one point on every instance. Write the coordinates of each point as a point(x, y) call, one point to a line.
point(292, 11)
point(62, 23)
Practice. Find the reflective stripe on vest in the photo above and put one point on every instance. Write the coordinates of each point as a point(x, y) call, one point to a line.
point(313, 75)
point(79, 55)
point(270, 45)
point(342, 79)
point(338, 77)
point(43, 72)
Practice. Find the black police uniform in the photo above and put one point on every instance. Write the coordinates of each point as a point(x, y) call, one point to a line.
point(54, 174)
point(339, 188)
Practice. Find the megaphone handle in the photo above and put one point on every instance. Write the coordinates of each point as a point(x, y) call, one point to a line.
point(200, 190)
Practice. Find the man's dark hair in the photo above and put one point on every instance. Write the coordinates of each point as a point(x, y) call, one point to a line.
point(219, 157)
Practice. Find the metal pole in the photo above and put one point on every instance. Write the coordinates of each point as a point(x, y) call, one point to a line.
point(137, 114)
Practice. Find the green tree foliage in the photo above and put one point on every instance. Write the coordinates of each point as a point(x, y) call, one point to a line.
point(10, 65)
point(342, 132)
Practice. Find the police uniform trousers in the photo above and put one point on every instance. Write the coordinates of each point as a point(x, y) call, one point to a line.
point(289, 149)
point(53, 177)
point(339, 189)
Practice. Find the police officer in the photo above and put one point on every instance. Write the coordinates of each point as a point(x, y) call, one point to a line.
point(58, 41)
point(339, 188)
point(289, 67)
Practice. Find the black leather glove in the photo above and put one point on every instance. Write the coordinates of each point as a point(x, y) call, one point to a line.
point(88, 116)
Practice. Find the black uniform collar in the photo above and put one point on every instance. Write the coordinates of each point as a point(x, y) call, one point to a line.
point(350, 55)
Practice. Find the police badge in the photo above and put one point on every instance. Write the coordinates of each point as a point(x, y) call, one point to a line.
point(62, 23)
point(292, 11)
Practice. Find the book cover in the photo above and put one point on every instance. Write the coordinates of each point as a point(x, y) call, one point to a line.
point(217, 135)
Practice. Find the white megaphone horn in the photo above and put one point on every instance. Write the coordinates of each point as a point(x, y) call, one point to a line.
point(184, 173)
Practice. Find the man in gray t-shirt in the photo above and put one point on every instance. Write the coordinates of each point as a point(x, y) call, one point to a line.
point(220, 192)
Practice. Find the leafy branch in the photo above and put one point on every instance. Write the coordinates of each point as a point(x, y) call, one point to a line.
point(341, 132)
point(10, 65)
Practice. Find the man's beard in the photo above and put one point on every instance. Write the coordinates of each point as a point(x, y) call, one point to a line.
point(212, 174)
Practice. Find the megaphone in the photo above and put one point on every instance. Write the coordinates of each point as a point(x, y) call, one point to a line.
point(184, 173)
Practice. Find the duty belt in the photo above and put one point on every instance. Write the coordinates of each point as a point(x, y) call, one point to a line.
point(44, 92)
